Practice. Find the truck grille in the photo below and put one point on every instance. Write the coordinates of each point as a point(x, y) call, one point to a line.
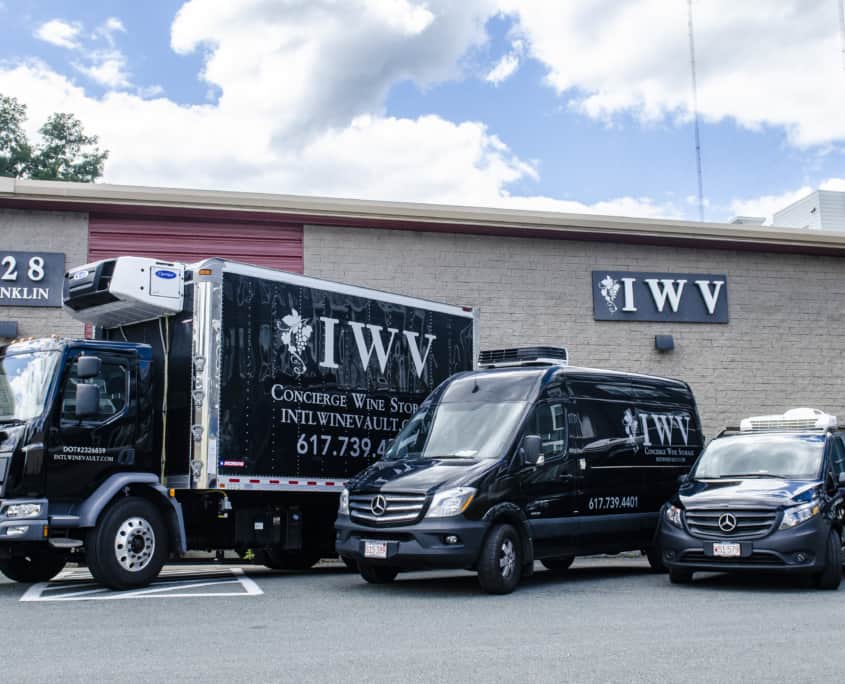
point(749, 522)
point(386, 509)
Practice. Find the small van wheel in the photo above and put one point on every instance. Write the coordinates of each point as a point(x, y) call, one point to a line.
point(277, 559)
point(349, 563)
point(655, 559)
point(680, 576)
point(377, 574)
point(831, 576)
point(561, 564)
point(129, 546)
point(39, 566)
point(500, 562)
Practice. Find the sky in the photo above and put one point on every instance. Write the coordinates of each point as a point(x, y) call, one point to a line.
point(565, 106)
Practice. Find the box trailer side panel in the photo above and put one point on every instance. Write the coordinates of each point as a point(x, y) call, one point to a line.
point(315, 380)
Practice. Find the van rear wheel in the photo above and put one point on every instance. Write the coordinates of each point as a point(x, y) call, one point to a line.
point(276, 559)
point(561, 564)
point(680, 576)
point(500, 562)
point(377, 574)
point(38, 566)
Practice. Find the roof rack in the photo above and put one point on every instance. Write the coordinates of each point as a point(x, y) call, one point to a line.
point(523, 356)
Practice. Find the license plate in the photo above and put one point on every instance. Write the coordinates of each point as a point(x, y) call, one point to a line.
point(375, 549)
point(726, 550)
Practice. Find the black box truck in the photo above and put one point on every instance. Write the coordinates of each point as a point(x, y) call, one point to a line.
point(221, 406)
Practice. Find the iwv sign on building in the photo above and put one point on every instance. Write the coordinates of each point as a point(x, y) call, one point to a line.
point(31, 278)
point(667, 297)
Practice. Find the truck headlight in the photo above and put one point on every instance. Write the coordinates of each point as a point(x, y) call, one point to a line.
point(23, 510)
point(343, 507)
point(673, 515)
point(797, 514)
point(450, 502)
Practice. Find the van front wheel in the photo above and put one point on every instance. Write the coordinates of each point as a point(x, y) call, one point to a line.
point(500, 563)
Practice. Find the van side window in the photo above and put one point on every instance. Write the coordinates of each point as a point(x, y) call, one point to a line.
point(837, 454)
point(549, 421)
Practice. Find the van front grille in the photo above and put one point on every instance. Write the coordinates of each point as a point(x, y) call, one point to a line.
point(386, 509)
point(746, 523)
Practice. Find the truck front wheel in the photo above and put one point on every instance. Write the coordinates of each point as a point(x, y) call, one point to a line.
point(129, 546)
point(39, 566)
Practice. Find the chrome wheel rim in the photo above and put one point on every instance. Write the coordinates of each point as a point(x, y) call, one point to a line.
point(134, 544)
point(507, 558)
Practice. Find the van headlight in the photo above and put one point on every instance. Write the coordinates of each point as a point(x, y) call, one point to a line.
point(23, 510)
point(673, 515)
point(450, 502)
point(797, 514)
point(343, 506)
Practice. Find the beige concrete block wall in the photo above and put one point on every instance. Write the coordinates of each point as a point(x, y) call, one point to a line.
point(784, 345)
point(45, 231)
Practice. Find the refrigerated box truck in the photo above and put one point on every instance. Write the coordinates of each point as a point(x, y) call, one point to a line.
point(221, 406)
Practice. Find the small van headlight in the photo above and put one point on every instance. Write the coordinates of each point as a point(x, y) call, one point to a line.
point(343, 507)
point(797, 514)
point(23, 510)
point(450, 502)
point(673, 515)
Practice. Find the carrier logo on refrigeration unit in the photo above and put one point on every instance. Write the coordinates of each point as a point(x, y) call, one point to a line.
point(370, 341)
point(667, 297)
point(166, 275)
point(665, 435)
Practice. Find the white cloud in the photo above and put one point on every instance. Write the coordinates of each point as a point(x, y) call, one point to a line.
point(503, 70)
point(756, 64)
point(60, 33)
point(108, 28)
point(108, 68)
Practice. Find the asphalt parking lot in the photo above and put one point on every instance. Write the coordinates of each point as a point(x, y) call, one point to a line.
point(608, 619)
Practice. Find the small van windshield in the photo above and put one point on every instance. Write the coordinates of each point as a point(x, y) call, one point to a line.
point(791, 457)
point(461, 429)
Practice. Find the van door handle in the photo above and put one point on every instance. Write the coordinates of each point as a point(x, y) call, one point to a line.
point(566, 477)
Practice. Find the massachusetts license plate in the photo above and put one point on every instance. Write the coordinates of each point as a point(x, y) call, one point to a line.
point(727, 550)
point(374, 549)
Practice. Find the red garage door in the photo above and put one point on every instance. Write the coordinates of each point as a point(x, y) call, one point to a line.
point(277, 245)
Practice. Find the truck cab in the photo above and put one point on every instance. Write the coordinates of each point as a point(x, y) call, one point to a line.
point(525, 458)
point(764, 497)
point(73, 423)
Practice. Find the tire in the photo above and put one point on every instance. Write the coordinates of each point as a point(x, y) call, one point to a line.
point(349, 563)
point(655, 559)
point(38, 566)
point(831, 576)
point(500, 562)
point(680, 576)
point(129, 546)
point(377, 574)
point(558, 564)
point(275, 559)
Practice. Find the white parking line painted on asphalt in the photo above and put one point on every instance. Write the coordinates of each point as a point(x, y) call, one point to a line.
point(76, 585)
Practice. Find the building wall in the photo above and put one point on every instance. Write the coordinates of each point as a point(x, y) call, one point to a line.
point(784, 345)
point(46, 231)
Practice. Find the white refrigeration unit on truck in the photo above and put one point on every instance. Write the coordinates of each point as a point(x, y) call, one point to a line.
point(221, 406)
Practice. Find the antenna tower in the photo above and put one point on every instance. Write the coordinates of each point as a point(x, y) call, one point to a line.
point(695, 113)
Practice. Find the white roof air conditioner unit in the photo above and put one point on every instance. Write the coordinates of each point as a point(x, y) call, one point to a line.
point(123, 291)
point(793, 420)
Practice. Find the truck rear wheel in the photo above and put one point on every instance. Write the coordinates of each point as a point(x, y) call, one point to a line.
point(276, 559)
point(39, 566)
point(500, 562)
point(129, 546)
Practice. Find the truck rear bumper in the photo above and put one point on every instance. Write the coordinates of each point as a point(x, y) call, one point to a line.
point(415, 547)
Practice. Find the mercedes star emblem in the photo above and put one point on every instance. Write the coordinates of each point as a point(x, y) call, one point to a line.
point(378, 505)
point(727, 522)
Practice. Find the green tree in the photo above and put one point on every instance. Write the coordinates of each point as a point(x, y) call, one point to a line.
point(64, 152)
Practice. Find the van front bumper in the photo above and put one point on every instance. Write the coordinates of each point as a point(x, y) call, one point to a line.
point(799, 549)
point(415, 547)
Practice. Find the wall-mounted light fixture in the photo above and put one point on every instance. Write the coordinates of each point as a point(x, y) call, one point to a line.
point(664, 343)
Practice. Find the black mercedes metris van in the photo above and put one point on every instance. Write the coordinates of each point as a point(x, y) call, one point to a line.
point(525, 459)
point(767, 497)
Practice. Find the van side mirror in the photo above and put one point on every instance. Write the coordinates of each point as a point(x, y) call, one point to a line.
point(87, 400)
point(87, 367)
point(842, 479)
point(683, 479)
point(530, 449)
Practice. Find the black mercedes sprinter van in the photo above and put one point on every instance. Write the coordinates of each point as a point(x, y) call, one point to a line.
point(766, 497)
point(525, 459)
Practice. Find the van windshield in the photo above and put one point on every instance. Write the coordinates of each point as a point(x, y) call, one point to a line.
point(461, 429)
point(791, 457)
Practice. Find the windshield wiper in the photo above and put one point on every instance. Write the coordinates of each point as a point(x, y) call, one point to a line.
point(733, 476)
point(445, 456)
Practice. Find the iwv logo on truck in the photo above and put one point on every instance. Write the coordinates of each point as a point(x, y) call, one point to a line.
point(295, 333)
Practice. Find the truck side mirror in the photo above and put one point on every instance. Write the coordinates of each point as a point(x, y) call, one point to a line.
point(531, 449)
point(87, 400)
point(87, 367)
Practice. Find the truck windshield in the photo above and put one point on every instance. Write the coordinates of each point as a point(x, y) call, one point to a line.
point(462, 429)
point(24, 382)
point(791, 457)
